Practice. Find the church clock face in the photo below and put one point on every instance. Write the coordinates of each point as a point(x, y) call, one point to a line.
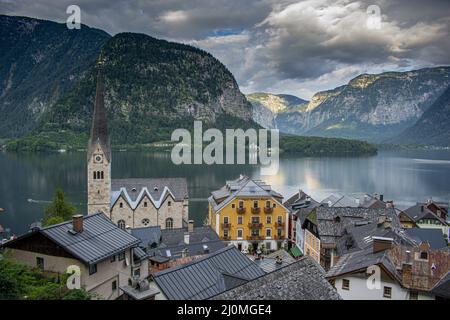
point(98, 158)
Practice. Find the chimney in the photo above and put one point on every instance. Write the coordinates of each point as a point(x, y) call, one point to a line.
point(390, 204)
point(190, 225)
point(77, 222)
point(381, 244)
point(421, 208)
point(406, 274)
point(381, 197)
point(186, 238)
point(381, 219)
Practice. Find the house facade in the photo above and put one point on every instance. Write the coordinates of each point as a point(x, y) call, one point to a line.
point(103, 253)
point(248, 213)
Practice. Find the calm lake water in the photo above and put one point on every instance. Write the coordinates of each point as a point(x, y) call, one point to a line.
point(27, 181)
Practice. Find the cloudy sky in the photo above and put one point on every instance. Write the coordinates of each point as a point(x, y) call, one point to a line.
point(284, 46)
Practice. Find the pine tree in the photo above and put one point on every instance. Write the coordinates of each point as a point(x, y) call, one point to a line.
point(59, 210)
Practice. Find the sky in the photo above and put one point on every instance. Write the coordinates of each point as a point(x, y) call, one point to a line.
point(293, 47)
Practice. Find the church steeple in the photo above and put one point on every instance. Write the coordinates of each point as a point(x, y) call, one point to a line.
point(99, 154)
point(99, 128)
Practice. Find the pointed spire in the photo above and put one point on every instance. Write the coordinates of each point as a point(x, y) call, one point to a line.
point(99, 129)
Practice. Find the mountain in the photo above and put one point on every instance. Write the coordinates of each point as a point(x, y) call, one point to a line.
point(433, 128)
point(372, 107)
point(40, 61)
point(266, 106)
point(152, 86)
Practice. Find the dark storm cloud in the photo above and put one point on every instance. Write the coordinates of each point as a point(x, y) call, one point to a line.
point(283, 46)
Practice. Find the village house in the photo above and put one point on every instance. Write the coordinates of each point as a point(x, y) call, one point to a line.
point(249, 213)
point(427, 215)
point(406, 272)
point(299, 205)
point(355, 200)
point(129, 202)
point(108, 257)
point(324, 226)
point(167, 248)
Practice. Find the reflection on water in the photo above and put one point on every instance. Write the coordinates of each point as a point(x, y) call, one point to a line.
point(27, 181)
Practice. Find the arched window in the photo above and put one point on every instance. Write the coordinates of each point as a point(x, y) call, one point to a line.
point(121, 224)
point(121, 205)
point(95, 175)
point(145, 222)
point(169, 223)
point(102, 176)
point(169, 203)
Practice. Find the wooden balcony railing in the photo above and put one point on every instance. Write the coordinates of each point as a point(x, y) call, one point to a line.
point(268, 210)
point(277, 237)
point(279, 224)
point(256, 210)
point(226, 225)
point(240, 210)
point(227, 238)
point(255, 237)
point(255, 225)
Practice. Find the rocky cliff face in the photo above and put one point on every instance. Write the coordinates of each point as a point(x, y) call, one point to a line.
point(266, 106)
point(40, 61)
point(433, 128)
point(369, 107)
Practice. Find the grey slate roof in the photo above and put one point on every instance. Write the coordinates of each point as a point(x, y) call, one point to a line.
point(353, 200)
point(147, 235)
point(155, 186)
point(442, 288)
point(332, 221)
point(99, 128)
point(362, 259)
point(301, 280)
point(360, 237)
point(420, 211)
point(434, 237)
point(207, 276)
point(172, 242)
point(99, 240)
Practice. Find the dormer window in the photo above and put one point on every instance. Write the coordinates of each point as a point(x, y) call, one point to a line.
point(155, 188)
point(133, 190)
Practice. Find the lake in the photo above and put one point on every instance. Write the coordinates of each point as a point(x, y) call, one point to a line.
point(27, 181)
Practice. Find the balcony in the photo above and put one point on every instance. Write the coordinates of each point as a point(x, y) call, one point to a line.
point(255, 225)
point(268, 210)
point(277, 237)
point(226, 238)
point(256, 210)
point(226, 225)
point(255, 238)
point(240, 210)
point(279, 224)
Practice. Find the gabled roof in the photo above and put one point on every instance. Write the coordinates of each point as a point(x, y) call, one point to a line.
point(201, 239)
point(99, 240)
point(354, 200)
point(207, 276)
point(301, 280)
point(442, 288)
point(360, 260)
point(241, 187)
point(420, 211)
point(434, 237)
point(156, 189)
point(332, 222)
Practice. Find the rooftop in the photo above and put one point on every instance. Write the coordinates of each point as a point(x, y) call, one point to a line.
point(241, 187)
point(302, 280)
point(207, 276)
point(99, 239)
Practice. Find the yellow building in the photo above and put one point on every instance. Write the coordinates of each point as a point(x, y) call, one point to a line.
point(247, 211)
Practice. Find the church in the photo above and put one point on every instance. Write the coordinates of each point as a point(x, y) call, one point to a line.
point(129, 203)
